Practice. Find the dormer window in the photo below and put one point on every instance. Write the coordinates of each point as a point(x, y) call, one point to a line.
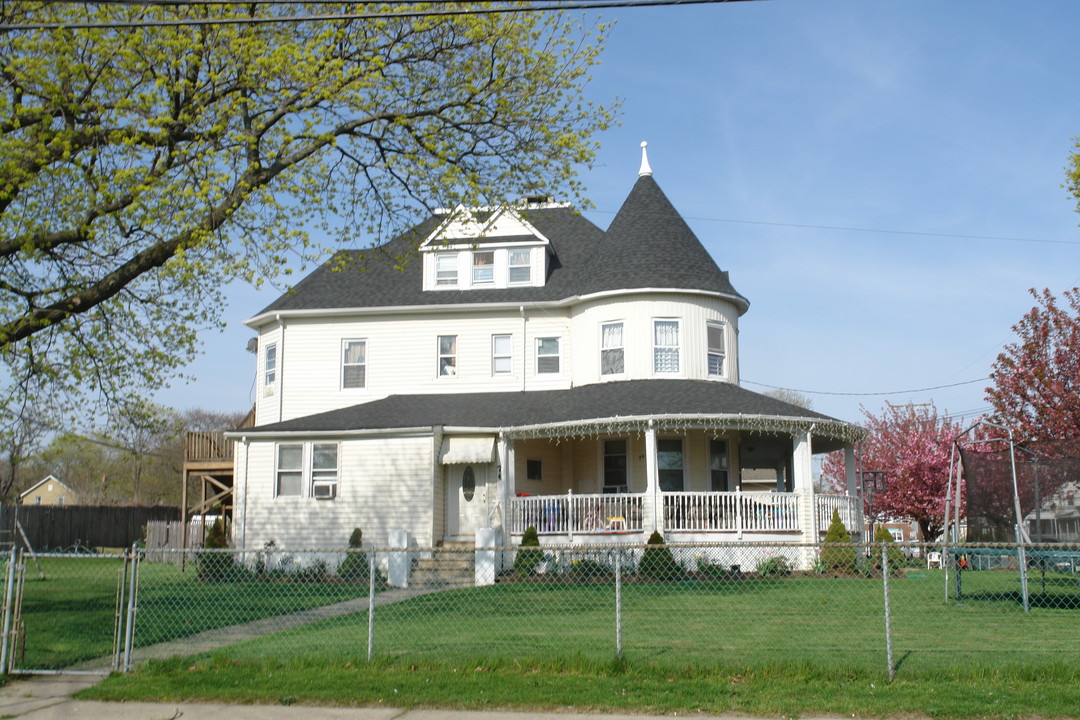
point(519, 268)
point(483, 268)
point(446, 268)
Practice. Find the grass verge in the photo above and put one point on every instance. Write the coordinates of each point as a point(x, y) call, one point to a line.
point(780, 690)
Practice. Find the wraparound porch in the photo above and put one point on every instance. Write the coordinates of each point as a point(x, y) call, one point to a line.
point(559, 518)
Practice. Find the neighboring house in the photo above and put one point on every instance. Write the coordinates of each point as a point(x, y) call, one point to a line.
point(49, 491)
point(524, 367)
point(1058, 517)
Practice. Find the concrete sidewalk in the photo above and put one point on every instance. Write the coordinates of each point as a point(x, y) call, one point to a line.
point(49, 698)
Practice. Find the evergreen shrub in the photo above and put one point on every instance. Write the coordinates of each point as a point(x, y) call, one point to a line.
point(837, 552)
point(657, 562)
point(529, 556)
point(355, 567)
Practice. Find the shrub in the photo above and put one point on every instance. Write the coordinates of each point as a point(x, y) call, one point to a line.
point(528, 557)
point(774, 566)
point(657, 562)
point(895, 554)
point(837, 552)
point(587, 568)
point(214, 566)
point(355, 567)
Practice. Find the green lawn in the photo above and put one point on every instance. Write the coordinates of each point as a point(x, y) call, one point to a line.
point(69, 616)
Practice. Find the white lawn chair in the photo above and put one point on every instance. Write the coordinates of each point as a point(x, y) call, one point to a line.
point(933, 559)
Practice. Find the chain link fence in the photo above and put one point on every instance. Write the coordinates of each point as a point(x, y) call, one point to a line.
point(883, 607)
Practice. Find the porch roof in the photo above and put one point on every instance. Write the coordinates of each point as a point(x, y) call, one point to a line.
point(609, 407)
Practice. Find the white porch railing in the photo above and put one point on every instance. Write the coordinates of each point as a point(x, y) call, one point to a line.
point(731, 511)
point(847, 506)
point(569, 514)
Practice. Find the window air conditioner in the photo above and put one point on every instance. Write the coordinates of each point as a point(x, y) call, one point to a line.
point(324, 491)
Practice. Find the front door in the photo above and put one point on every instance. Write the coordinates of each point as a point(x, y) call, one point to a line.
point(466, 499)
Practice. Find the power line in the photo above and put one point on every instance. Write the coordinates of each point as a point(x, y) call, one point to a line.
point(868, 394)
point(849, 228)
point(494, 8)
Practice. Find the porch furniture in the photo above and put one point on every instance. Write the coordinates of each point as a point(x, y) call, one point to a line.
point(616, 523)
point(933, 559)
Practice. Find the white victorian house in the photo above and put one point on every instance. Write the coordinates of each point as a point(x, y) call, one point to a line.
point(528, 369)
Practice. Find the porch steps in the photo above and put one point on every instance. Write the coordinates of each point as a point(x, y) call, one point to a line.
point(453, 565)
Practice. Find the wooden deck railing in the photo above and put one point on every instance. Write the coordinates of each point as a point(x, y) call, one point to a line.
point(208, 445)
point(848, 507)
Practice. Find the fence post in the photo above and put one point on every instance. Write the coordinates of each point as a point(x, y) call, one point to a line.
point(129, 636)
point(371, 606)
point(9, 596)
point(618, 604)
point(888, 613)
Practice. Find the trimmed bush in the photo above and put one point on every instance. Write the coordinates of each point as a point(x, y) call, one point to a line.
point(355, 567)
point(895, 554)
point(529, 556)
point(657, 562)
point(215, 566)
point(774, 566)
point(837, 552)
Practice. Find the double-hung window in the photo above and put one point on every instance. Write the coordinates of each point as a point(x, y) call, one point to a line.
point(483, 272)
point(446, 264)
point(501, 358)
point(519, 267)
point(669, 463)
point(307, 469)
point(715, 333)
point(612, 357)
point(666, 347)
point(290, 470)
point(354, 364)
point(615, 466)
point(324, 470)
point(270, 366)
point(547, 356)
point(447, 355)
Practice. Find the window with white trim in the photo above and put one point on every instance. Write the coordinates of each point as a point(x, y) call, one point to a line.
point(715, 338)
point(353, 364)
point(270, 365)
point(501, 357)
point(669, 464)
point(534, 470)
point(547, 356)
point(290, 470)
point(446, 264)
point(615, 466)
point(666, 347)
point(612, 350)
point(483, 272)
point(307, 470)
point(324, 470)
point(519, 267)
point(447, 355)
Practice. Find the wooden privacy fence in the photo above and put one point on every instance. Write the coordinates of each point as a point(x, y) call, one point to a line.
point(53, 527)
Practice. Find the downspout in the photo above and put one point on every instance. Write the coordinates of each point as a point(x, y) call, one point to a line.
point(243, 513)
point(524, 347)
point(281, 368)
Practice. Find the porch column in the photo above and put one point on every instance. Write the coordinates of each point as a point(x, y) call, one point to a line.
point(650, 510)
point(509, 473)
point(803, 476)
point(506, 482)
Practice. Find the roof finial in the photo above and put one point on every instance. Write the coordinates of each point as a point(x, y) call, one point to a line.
point(645, 169)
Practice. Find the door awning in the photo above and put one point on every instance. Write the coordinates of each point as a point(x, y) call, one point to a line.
point(457, 450)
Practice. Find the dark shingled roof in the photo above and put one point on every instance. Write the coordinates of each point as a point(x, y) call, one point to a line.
point(508, 410)
point(647, 246)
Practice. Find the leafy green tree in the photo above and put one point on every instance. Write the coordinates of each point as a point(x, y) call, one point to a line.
point(152, 153)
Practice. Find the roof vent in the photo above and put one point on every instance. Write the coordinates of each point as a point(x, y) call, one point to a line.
point(537, 199)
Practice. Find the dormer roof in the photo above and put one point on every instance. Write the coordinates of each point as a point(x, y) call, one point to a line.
point(647, 247)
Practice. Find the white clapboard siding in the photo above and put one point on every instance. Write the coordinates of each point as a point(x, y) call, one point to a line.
point(637, 312)
point(385, 484)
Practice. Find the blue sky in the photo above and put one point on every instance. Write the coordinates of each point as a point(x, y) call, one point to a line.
point(828, 154)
